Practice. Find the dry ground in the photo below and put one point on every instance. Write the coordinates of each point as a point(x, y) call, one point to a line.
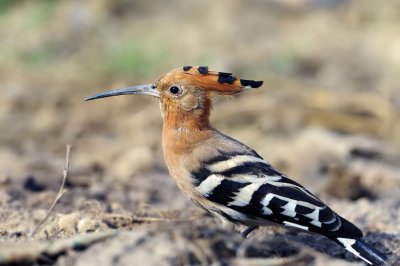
point(328, 116)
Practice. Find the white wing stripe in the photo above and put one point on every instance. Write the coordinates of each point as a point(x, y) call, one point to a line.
point(233, 162)
point(314, 215)
point(265, 179)
point(295, 225)
point(265, 201)
point(348, 243)
point(243, 197)
point(289, 209)
point(316, 223)
point(315, 218)
point(209, 184)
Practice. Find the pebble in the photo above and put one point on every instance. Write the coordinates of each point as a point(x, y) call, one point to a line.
point(68, 223)
point(87, 225)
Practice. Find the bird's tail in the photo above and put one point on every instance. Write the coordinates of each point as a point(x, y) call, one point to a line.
point(363, 251)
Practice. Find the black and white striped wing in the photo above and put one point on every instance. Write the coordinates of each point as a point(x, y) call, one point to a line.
point(248, 189)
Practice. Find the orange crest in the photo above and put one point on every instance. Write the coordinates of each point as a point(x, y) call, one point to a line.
point(201, 77)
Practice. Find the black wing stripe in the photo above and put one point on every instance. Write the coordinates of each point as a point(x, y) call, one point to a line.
point(291, 192)
point(240, 184)
point(257, 168)
point(225, 192)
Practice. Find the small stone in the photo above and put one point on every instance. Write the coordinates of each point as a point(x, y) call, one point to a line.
point(87, 225)
point(68, 223)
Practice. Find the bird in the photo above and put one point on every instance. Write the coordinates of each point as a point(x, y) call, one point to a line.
point(224, 176)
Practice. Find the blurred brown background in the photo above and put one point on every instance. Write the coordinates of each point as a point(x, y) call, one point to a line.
point(327, 114)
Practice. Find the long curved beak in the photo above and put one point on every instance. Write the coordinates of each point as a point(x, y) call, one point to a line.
point(147, 89)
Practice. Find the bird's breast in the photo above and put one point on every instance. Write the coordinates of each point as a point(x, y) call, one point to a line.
point(184, 153)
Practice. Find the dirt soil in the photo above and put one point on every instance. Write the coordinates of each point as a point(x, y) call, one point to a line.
point(328, 115)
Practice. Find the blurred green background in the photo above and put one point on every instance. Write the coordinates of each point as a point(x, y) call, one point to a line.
point(330, 64)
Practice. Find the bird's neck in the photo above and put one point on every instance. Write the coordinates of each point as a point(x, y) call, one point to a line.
point(182, 131)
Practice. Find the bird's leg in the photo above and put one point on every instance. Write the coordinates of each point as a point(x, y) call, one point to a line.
point(248, 230)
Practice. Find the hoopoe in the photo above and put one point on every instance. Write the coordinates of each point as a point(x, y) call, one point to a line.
point(224, 176)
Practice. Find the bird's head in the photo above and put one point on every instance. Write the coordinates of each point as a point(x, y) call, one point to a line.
point(187, 89)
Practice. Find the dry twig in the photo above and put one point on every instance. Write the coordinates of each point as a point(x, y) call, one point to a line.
point(137, 219)
point(60, 193)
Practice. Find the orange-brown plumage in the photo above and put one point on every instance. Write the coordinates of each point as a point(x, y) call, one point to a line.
point(205, 80)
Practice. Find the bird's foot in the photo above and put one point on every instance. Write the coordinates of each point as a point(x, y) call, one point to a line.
point(248, 230)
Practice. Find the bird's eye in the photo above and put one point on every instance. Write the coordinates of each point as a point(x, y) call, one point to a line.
point(175, 90)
